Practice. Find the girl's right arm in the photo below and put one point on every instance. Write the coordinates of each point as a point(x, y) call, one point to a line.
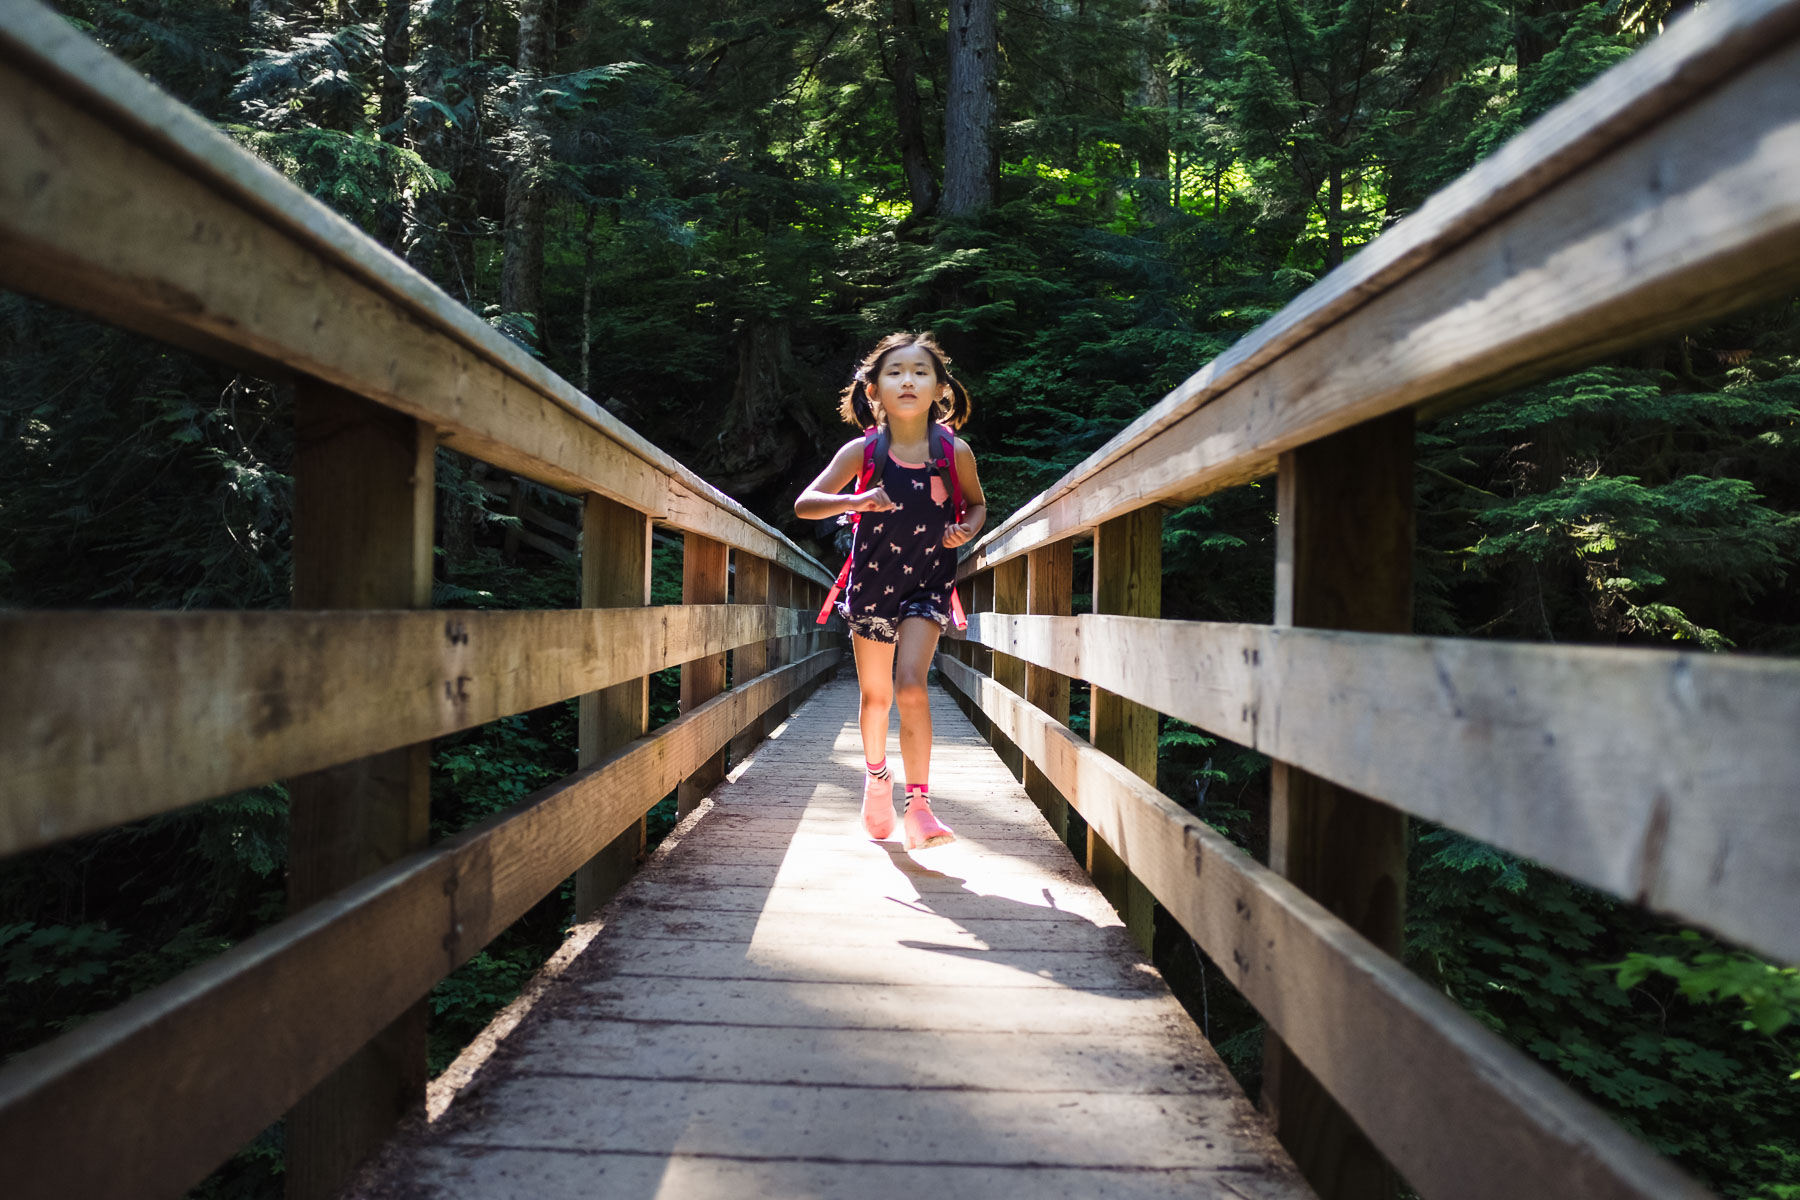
point(823, 497)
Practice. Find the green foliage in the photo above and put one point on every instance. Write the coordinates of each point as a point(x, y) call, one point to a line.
point(728, 226)
point(1692, 1048)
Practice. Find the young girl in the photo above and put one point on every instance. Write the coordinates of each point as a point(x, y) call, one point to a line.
point(903, 560)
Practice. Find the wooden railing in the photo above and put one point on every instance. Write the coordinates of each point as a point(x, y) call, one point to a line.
point(117, 201)
point(1656, 199)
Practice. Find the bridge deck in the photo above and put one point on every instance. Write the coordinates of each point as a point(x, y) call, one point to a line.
point(778, 1006)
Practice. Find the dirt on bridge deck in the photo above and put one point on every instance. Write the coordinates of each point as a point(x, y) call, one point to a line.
point(779, 1006)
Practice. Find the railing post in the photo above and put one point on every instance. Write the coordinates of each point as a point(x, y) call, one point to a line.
point(364, 498)
point(1127, 582)
point(781, 597)
point(1050, 574)
point(981, 599)
point(1343, 560)
point(705, 579)
point(615, 573)
point(1009, 672)
point(751, 586)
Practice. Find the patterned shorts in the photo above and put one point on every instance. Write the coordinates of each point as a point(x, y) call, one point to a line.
point(878, 628)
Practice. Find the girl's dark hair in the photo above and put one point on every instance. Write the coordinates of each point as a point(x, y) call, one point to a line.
point(855, 403)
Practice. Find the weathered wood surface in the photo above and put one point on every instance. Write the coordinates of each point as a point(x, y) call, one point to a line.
point(364, 508)
point(1049, 588)
point(705, 579)
point(615, 572)
point(112, 716)
point(1664, 777)
point(149, 1097)
point(1343, 560)
point(750, 584)
point(1664, 194)
point(841, 1018)
point(1127, 580)
point(119, 201)
point(1462, 1114)
point(1009, 595)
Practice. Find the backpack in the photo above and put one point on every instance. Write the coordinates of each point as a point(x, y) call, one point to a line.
point(875, 454)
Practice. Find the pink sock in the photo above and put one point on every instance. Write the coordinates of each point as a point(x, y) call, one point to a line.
point(878, 770)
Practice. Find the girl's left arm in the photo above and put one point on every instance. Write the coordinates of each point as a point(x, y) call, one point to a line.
point(974, 502)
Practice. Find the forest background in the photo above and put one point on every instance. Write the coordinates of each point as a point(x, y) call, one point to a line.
point(702, 213)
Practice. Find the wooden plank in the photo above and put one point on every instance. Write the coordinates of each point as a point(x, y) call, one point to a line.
point(178, 1078)
point(1461, 1113)
point(615, 573)
point(114, 716)
point(250, 269)
point(1049, 590)
point(1664, 777)
point(705, 579)
point(749, 585)
point(1343, 560)
point(1009, 596)
point(364, 507)
point(1127, 580)
point(1054, 1047)
point(981, 599)
point(781, 595)
point(1492, 292)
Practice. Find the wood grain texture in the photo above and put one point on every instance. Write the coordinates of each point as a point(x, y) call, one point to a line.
point(749, 585)
point(781, 595)
point(1010, 596)
point(975, 1023)
point(178, 1078)
point(1049, 591)
point(1462, 1114)
point(1343, 560)
point(364, 510)
point(247, 268)
point(615, 573)
point(1688, 88)
point(119, 715)
point(1128, 581)
point(1661, 776)
point(705, 579)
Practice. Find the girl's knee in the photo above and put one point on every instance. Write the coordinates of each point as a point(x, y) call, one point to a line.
point(877, 697)
point(911, 693)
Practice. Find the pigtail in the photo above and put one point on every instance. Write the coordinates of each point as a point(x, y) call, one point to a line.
point(954, 410)
point(853, 402)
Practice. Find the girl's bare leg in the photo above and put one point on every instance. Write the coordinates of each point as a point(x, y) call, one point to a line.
point(912, 657)
point(875, 676)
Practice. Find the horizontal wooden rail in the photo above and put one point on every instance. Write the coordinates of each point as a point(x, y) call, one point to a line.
point(232, 1044)
point(1460, 1113)
point(1664, 194)
point(109, 717)
point(118, 201)
point(1664, 777)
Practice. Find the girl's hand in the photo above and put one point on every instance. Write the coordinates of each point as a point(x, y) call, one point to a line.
point(956, 535)
point(873, 500)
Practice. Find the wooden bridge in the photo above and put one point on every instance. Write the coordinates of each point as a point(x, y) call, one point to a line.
point(776, 1006)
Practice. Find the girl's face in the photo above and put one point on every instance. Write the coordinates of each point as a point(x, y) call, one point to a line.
point(906, 383)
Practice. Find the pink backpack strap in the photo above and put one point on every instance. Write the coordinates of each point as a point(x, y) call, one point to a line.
point(945, 461)
point(871, 439)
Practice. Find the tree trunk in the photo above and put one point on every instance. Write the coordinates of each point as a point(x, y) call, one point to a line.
point(1334, 220)
point(969, 110)
point(757, 442)
point(900, 60)
point(1153, 99)
point(522, 272)
point(396, 53)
